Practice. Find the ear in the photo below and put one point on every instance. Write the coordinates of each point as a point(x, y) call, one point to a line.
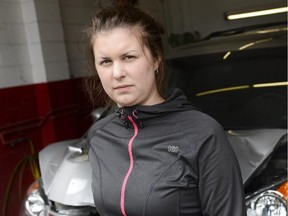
point(157, 63)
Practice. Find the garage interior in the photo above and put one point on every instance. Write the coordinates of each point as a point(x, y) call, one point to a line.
point(41, 72)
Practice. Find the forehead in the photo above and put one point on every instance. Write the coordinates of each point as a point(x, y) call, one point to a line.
point(122, 39)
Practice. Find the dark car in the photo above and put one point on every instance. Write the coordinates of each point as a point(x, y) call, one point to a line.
point(239, 77)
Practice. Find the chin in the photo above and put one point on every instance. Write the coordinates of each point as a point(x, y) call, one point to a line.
point(126, 101)
point(126, 104)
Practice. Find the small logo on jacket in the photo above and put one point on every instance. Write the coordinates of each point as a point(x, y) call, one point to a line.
point(173, 149)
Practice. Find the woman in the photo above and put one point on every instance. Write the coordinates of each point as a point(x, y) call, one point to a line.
point(156, 155)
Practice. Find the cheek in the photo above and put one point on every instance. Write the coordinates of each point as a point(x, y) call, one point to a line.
point(104, 77)
point(148, 73)
point(146, 69)
point(101, 72)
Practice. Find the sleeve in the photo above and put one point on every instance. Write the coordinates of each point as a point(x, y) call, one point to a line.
point(220, 181)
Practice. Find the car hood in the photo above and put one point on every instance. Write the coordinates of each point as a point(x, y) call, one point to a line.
point(66, 174)
point(253, 148)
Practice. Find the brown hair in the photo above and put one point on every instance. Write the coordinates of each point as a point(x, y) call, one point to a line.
point(105, 19)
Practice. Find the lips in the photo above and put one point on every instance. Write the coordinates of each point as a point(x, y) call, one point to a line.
point(122, 88)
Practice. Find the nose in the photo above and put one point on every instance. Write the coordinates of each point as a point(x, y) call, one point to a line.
point(118, 70)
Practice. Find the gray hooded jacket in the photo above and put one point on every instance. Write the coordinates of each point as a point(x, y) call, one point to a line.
point(164, 160)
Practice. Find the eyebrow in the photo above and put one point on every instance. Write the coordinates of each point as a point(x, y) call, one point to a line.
point(101, 57)
point(126, 53)
point(130, 52)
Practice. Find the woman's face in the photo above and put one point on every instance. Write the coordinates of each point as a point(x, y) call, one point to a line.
point(126, 70)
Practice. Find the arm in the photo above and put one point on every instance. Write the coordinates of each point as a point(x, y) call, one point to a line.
point(220, 182)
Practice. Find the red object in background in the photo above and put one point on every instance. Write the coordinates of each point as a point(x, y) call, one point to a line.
point(43, 113)
point(283, 189)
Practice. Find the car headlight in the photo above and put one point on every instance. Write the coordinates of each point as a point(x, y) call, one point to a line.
point(268, 203)
point(35, 203)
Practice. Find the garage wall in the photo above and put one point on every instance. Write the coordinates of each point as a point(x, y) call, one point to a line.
point(31, 43)
point(14, 61)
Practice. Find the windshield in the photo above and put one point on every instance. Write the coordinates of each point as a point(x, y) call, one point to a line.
point(242, 90)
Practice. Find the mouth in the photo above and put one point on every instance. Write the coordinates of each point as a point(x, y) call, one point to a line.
point(122, 87)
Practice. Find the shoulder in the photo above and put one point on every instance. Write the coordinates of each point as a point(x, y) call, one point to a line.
point(202, 132)
point(198, 122)
point(99, 125)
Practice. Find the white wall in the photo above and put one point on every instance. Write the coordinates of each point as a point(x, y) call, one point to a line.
point(14, 61)
point(32, 48)
point(52, 40)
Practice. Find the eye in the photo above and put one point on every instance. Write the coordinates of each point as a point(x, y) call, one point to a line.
point(105, 62)
point(129, 57)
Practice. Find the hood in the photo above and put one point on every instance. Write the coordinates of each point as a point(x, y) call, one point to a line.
point(175, 101)
point(66, 173)
point(253, 148)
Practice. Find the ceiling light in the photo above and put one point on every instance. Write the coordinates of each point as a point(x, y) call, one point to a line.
point(255, 12)
point(261, 85)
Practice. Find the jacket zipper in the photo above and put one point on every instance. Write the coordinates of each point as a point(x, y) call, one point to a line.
point(122, 198)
